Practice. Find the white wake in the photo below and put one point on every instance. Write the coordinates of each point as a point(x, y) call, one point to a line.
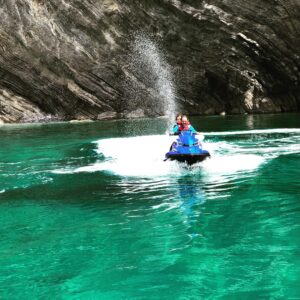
point(143, 156)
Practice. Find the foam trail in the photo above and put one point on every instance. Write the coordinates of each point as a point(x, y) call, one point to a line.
point(136, 156)
point(258, 131)
point(143, 157)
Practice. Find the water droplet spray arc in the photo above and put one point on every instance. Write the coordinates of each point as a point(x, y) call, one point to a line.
point(150, 79)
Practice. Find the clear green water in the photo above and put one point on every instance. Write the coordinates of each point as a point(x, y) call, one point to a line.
point(85, 216)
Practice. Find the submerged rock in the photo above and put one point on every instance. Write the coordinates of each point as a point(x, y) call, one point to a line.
point(65, 60)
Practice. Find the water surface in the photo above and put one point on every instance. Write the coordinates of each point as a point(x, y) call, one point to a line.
point(91, 211)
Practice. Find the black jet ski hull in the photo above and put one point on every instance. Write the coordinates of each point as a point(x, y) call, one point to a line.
point(189, 159)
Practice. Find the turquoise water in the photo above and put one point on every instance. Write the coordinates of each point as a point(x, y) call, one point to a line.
point(90, 211)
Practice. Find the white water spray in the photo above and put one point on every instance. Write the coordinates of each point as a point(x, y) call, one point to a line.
point(151, 79)
point(136, 156)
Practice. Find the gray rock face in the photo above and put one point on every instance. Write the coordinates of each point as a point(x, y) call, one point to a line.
point(72, 59)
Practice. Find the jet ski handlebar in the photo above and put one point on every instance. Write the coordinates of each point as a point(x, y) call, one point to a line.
point(178, 132)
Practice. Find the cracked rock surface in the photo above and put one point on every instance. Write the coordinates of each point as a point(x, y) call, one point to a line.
point(71, 59)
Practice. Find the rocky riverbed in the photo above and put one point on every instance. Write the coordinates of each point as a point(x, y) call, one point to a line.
point(73, 59)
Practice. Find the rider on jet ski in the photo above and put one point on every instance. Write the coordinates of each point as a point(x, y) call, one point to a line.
point(184, 125)
point(187, 148)
point(178, 122)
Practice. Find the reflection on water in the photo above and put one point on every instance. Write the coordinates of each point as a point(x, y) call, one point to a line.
point(250, 121)
point(190, 196)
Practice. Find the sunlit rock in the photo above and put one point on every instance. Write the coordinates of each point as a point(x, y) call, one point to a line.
point(139, 113)
point(107, 115)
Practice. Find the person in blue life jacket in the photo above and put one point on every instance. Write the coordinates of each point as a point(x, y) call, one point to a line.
point(178, 123)
point(185, 125)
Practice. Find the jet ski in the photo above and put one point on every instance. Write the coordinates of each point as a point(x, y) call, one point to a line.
point(187, 148)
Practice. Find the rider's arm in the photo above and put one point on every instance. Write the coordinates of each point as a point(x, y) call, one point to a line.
point(175, 129)
point(193, 130)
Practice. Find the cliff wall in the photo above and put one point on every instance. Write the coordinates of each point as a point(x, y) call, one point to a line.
point(72, 59)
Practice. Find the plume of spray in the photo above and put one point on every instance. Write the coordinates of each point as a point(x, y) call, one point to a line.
point(149, 79)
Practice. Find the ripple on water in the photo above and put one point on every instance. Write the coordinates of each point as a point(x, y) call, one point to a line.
point(125, 219)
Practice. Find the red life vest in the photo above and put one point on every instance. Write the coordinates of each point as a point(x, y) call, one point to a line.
point(178, 124)
point(184, 127)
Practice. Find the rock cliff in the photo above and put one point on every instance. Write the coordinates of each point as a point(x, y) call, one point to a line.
point(72, 59)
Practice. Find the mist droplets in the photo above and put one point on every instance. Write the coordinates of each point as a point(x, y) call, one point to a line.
point(150, 79)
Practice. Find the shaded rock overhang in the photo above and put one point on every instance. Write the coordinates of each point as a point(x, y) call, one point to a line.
point(63, 60)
